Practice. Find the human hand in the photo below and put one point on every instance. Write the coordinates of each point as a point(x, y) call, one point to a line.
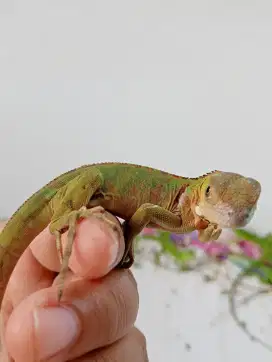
point(95, 320)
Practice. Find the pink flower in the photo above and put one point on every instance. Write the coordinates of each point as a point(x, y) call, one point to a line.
point(217, 250)
point(250, 249)
point(212, 248)
point(198, 244)
point(149, 231)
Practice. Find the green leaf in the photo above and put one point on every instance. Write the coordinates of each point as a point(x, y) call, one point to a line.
point(248, 235)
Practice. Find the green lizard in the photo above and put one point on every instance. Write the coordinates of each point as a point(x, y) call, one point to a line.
point(141, 196)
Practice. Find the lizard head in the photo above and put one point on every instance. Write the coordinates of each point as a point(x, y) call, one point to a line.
point(228, 199)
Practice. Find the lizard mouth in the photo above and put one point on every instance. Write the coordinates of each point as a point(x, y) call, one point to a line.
point(244, 217)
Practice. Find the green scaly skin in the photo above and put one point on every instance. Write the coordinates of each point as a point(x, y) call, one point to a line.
point(141, 196)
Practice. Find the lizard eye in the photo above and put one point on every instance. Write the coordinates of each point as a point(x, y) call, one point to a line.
point(207, 192)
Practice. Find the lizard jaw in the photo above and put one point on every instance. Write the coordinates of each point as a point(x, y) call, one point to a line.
point(225, 216)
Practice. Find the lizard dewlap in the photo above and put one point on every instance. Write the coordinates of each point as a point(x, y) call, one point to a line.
point(142, 196)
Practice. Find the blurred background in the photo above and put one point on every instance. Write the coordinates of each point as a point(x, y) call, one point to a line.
point(184, 86)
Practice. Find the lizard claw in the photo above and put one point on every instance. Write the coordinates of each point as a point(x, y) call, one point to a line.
point(211, 233)
point(83, 212)
point(100, 213)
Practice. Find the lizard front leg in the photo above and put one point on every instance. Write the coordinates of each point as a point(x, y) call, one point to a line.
point(211, 233)
point(149, 214)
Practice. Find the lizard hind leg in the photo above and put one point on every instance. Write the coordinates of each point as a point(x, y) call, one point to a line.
point(73, 217)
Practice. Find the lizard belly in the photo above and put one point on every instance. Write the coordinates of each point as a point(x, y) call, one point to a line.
point(120, 208)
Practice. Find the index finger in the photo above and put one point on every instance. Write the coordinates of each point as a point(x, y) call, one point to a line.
point(97, 247)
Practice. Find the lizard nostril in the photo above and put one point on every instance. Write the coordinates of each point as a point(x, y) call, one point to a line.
point(247, 214)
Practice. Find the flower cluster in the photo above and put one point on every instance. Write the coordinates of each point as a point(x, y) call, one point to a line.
point(219, 250)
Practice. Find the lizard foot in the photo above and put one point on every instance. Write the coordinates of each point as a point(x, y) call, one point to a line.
point(74, 216)
point(211, 233)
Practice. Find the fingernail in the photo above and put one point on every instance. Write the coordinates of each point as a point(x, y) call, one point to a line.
point(55, 329)
point(114, 251)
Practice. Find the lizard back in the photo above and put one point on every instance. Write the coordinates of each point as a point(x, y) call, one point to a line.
point(127, 186)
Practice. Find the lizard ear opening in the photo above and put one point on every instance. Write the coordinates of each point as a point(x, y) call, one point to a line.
point(207, 191)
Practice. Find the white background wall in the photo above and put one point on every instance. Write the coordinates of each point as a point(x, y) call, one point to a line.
point(180, 85)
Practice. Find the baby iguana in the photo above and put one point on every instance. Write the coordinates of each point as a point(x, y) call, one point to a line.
point(141, 196)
